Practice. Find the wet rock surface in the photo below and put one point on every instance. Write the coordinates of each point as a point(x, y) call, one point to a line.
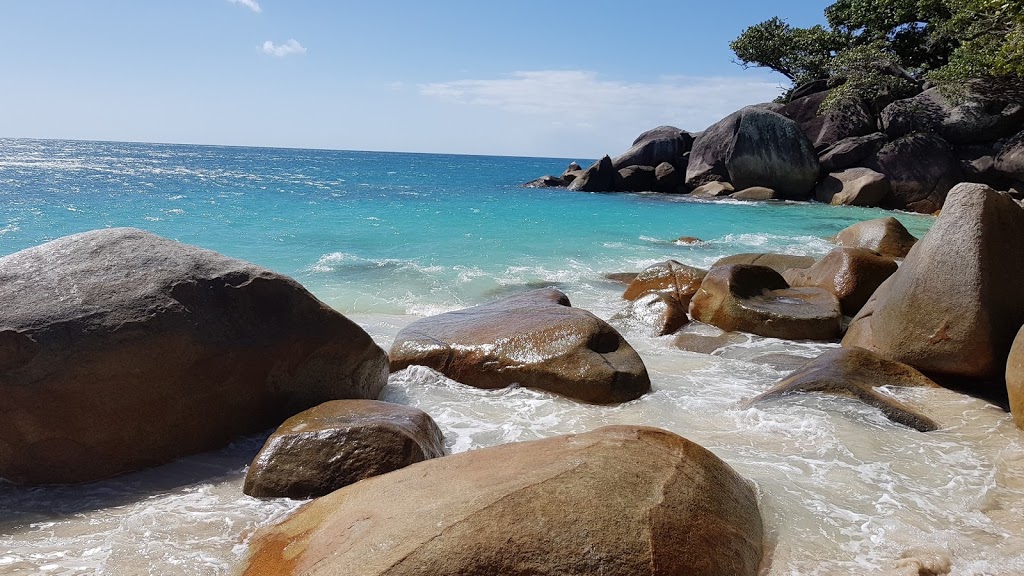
point(886, 236)
point(852, 274)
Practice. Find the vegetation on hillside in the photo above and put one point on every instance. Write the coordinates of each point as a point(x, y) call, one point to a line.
point(885, 48)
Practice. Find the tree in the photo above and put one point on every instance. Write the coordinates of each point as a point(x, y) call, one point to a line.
point(800, 54)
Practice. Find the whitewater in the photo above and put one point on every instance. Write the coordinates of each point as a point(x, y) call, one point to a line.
point(387, 238)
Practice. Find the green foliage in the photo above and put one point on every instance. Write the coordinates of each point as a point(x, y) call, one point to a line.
point(878, 48)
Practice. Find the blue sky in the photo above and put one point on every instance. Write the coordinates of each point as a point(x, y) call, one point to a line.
point(535, 78)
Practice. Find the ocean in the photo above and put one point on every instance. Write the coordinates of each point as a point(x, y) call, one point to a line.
point(387, 238)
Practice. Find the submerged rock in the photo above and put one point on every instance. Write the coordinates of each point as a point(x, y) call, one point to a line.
point(855, 372)
point(778, 262)
point(852, 274)
point(756, 299)
point(337, 443)
point(121, 350)
point(535, 340)
point(886, 236)
point(618, 501)
point(954, 306)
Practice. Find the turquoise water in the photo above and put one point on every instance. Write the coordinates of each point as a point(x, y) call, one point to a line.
point(385, 232)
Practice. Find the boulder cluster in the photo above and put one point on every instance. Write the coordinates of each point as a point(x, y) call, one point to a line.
point(907, 154)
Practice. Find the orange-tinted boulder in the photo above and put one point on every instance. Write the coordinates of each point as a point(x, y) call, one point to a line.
point(1015, 379)
point(852, 274)
point(670, 277)
point(887, 236)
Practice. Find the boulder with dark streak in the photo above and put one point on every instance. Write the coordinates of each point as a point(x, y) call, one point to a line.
point(536, 340)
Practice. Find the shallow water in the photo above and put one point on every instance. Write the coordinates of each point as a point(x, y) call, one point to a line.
point(387, 238)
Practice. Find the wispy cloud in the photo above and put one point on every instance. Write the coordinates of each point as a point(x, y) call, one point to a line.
point(583, 99)
point(281, 50)
point(250, 4)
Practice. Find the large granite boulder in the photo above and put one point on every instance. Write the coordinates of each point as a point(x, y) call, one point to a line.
point(756, 299)
point(636, 179)
point(886, 236)
point(755, 194)
point(121, 350)
point(661, 144)
point(668, 179)
point(1015, 379)
point(713, 190)
point(599, 177)
point(849, 118)
point(978, 111)
point(853, 187)
point(1010, 160)
point(618, 501)
point(755, 147)
point(954, 306)
point(535, 339)
point(921, 169)
point(855, 373)
point(670, 277)
point(778, 262)
point(852, 274)
point(340, 442)
point(658, 312)
point(850, 152)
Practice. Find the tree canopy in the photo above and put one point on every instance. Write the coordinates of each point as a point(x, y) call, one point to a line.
point(875, 47)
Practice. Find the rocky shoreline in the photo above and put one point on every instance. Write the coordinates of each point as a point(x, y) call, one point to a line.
point(122, 350)
point(905, 154)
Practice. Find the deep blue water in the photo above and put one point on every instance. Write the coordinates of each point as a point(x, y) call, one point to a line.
point(386, 232)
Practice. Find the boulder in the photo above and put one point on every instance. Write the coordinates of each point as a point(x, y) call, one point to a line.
point(849, 118)
point(121, 350)
point(618, 501)
point(954, 306)
point(636, 179)
point(886, 236)
point(852, 274)
point(853, 187)
point(921, 169)
point(670, 277)
point(621, 277)
point(547, 182)
point(979, 111)
point(571, 171)
point(536, 340)
point(662, 313)
point(808, 88)
point(340, 442)
point(778, 262)
point(855, 373)
point(599, 177)
point(1015, 379)
point(713, 190)
point(755, 193)
point(662, 144)
point(756, 299)
point(755, 147)
point(668, 179)
point(1010, 160)
point(850, 152)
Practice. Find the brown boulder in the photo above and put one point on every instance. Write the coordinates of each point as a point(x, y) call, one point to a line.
point(599, 177)
point(853, 187)
point(756, 299)
point(662, 313)
point(887, 236)
point(618, 501)
point(1015, 379)
point(668, 179)
point(778, 262)
point(755, 193)
point(856, 372)
point(673, 278)
point(921, 169)
point(713, 190)
point(636, 179)
point(340, 442)
point(954, 306)
point(121, 350)
point(535, 340)
point(852, 274)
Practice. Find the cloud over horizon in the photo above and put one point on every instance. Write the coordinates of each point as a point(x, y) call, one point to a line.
point(582, 99)
point(289, 48)
point(250, 4)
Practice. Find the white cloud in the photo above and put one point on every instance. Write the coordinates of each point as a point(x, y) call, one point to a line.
point(281, 50)
point(581, 98)
point(250, 4)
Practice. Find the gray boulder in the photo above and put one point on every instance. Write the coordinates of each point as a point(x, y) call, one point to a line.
point(921, 169)
point(846, 119)
point(968, 113)
point(636, 179)
point(850, 152)
point(661, 144)
point(755, 147)
point(121, 350)
point(599, 177)
point(1010, 161)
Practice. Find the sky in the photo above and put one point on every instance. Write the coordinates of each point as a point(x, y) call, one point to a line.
point(526, 78)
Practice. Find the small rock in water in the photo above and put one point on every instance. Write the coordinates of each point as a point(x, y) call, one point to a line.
point(924, 562)
point(337, 443)
point(855, 372)
point(689, 241)
point(536, 340)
